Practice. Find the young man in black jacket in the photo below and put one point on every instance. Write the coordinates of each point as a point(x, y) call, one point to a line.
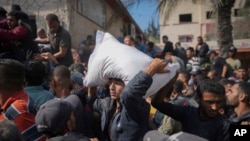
point(238, 97)
point(125, 114)
point(204, 121)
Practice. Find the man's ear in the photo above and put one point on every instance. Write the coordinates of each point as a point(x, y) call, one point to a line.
point(197, 99)
point(53, 83)
point(243, 97)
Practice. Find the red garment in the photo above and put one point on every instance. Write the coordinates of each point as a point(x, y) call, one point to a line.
point(18, 33)
point(4, 24)
point(20, 108)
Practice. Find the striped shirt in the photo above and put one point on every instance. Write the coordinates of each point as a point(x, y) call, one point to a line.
point(193, 64)
point(20, 108)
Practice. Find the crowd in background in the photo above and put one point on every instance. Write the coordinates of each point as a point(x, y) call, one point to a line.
point(42, 95)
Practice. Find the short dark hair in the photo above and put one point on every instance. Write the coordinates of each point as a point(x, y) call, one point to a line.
point(178, 86)
point(168, 53)
point(211, 86)
point(199, 78)
point(89, 37)
point(11, 74)
point(19, 15)
point(225, 81)
point(190, 49)
point(61, 71)
point(165, 36)
point(138, 37)
point(52, 17)
point(3, 12)
point(200, 37)
point(169, 92)
point(185, 74)
point(9, 131)
point(77, 67)
point(151, 44)
point(245, 88)
point(178, 43)
point(34, 72)
point(116, 79)
point(242, 67)
point(41, 30)
point(48, 68)
point(16, 7)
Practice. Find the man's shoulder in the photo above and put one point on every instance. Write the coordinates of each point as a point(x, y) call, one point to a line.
point(22, 31)
point(35, 90)
point(103, 102)
point(19, 105)
point(21, 99)
point(245, 117)
point(63, 31)
point(220, 59)
point(204, 44)
point(21, 27)
point(23, 103)
point(170, 43)
point(178, 59)
point(72, 136)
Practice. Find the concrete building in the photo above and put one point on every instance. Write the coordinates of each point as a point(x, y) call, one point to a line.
point(81, 17)
point(191, 19)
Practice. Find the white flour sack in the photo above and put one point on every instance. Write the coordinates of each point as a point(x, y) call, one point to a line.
point(112, 59)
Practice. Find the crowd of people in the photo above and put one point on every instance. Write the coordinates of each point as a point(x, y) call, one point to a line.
point(42, 95)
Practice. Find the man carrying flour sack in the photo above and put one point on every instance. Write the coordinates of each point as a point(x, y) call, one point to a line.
point(125, 114)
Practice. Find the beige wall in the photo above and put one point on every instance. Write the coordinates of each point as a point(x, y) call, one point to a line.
point(117, 25)
point(80, 26)
point(40, 9)
point(173, 29)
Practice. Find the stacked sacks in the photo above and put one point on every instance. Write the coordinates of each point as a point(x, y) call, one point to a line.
point(112, 59)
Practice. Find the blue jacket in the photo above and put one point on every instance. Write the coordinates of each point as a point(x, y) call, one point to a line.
point(131, 122)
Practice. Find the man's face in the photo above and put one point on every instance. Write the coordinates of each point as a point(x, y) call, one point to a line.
point(241, 73)
point(165, 40)
point(168, 57)
point(12, 22)
point(233, 95)
point(74, 54)
point(211, 103)
point(41, 34)
point(57, 84)
point(53, 86)
point(189, 54)
point(230, 54)
point(149, 48)
point(128, 42)
point(199, 40)
point(53, 26)
point(212, 56)
point(137, 41)
point(116, 86)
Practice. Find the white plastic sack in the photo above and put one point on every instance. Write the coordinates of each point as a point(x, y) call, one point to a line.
point(112, 59)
